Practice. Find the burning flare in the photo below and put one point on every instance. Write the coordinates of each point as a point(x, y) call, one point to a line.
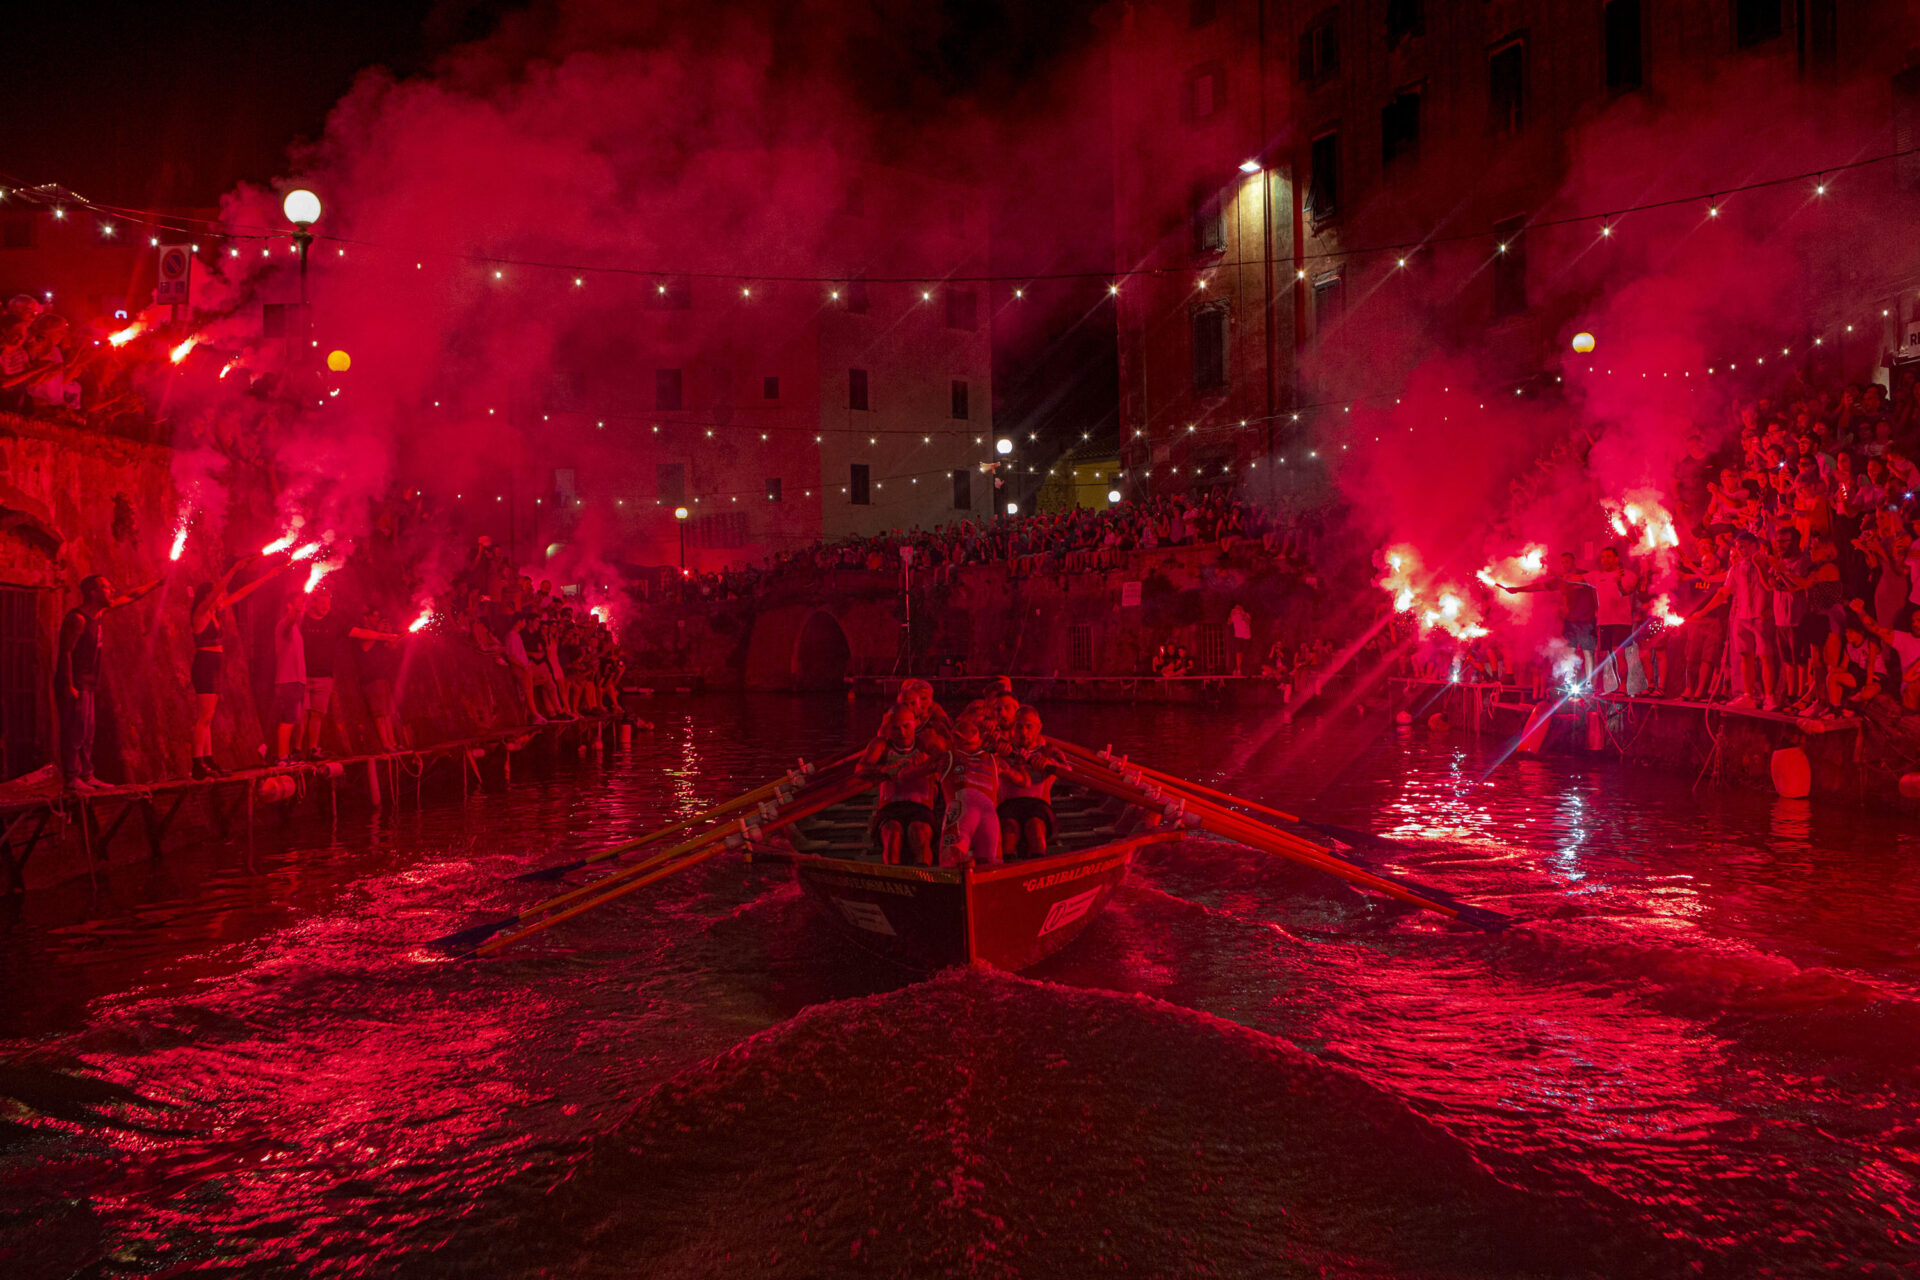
point(426, 616)
point(179, 352)
point(1663, 610)
point(320, 570)
point(278, 545)
point(121, 337)
point(306, 552)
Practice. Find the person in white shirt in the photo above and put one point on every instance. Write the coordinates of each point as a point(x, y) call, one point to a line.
point(1749, 624)
point(1614, 585)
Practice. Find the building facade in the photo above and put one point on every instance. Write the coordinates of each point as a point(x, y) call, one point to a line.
point(783, 411)
point(1311, 198)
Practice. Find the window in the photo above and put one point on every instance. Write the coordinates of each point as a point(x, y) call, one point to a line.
point(1405, 18)
point(770, 387)
point(1320, 47)
point(666, 389)
point(670, 483)
point(1755, 21)
point(1820, 35)
point(1510, 268)
point(1080, 646)
point(1507, 88)
point(960, 398)
point(1323, 178)
point(773, 488)
point(1328, 302)
point(856, 388)
point(1400, 127)
point(857, 485)
point(1209, 325)
point(963, 309)
point(1209, 220)
point(1206, 91)
point(727, 529)
point(1621, 31)
point(670, 293)
point(857, 296)
point(1213, 645)
point(963, 490)
point(1201, 12)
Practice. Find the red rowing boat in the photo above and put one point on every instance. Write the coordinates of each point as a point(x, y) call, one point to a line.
point(1009, 915)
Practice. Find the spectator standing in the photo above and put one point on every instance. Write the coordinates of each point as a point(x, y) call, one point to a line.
point(1242, 624)
point(379, 669)
point(80, 656)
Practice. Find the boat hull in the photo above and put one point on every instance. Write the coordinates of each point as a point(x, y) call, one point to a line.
point(1009, 916)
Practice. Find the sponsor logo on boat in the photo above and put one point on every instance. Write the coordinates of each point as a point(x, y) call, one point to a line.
point(875, 885)
point(1067, 910)
point(1071, 873)
point(868, 916)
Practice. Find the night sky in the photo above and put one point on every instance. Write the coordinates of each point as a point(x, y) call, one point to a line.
point(153, 107)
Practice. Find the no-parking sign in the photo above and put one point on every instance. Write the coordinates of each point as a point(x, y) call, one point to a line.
point(176, 272)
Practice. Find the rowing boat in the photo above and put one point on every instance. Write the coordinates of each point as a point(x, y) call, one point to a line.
point(1009, 915)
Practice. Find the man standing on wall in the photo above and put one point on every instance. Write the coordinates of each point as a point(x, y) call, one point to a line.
point(79, 659)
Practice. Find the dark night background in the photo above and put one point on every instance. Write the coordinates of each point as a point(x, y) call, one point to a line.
point(174, 106)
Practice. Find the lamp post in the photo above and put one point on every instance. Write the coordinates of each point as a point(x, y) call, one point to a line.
point(302, 208)
point(680, 518)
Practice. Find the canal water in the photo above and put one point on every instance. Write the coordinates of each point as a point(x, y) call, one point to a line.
point(1696, 1055)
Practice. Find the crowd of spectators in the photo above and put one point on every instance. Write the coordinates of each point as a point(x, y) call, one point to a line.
point(76, 374)
point(1795, 582)
point(1074, 541)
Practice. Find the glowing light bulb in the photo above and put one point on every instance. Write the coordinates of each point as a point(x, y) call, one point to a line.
point(302, 207)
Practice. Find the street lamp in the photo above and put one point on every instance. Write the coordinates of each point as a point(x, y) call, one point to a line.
point(302, 208)
point(1013, 508)
point(1003, 446)
point(680, 517)
point(1113, 495)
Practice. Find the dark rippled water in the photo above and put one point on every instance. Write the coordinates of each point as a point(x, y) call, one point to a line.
point(1695, 1057)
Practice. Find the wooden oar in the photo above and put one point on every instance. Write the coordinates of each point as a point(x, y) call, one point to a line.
point(1244, 830)
point(795, 778)
point(845, 791)
point(1346, 835)
point(465, 938)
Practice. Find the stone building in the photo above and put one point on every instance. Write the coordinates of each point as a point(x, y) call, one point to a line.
point(1313, 196)
point(784, 409)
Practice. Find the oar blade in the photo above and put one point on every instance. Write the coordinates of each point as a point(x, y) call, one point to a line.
point(1482, 917)
point(468, 938)
point(552, 873)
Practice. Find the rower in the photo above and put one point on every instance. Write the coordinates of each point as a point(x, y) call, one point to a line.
point(903, 817)
point(1026, 809)
point(1006, 709)
point(970, 779)
point(917, 696)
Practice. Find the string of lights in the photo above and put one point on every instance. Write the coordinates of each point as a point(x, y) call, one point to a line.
point(1821, 180)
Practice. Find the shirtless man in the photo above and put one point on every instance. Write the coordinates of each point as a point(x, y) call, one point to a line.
point(903, 812)
point(1026, 810)
point(970, 779)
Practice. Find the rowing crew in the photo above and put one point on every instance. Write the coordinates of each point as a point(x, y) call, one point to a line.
point(989, 771)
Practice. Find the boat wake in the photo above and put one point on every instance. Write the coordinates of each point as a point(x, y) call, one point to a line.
point(983, 1124)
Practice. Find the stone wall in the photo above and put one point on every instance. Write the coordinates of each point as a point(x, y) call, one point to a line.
point(989, 620)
